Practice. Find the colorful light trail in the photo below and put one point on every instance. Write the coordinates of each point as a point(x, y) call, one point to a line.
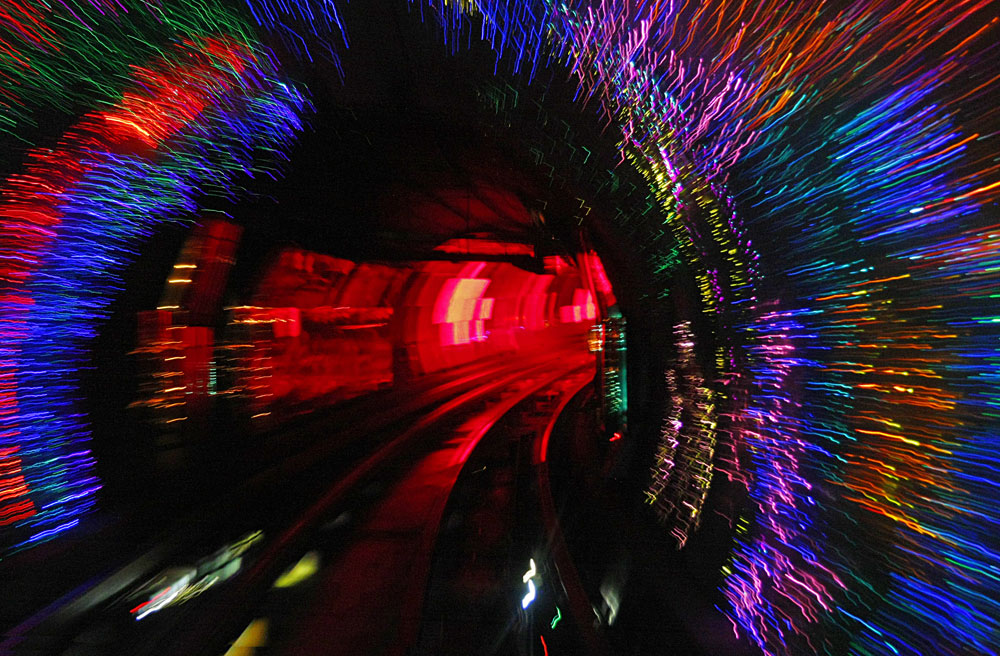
point(827, 170)
point(189, 125)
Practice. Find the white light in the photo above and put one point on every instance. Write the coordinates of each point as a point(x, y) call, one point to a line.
point(531, 571)
point(530, 597)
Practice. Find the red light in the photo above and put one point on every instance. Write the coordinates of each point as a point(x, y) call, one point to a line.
point(477, 246)
point(615, 437)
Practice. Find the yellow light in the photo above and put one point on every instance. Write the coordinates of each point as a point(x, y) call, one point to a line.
point(254, 636)
point(300, 571)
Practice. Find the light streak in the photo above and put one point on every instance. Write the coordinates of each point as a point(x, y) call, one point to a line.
point(530, 596)
point(824, 171)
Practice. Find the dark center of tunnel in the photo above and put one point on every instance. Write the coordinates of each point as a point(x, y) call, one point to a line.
point(416, 149)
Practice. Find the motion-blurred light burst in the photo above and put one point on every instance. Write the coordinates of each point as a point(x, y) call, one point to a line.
point(827, 170)
point(194, 121)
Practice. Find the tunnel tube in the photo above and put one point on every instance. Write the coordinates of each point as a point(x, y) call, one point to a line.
point(824, 174)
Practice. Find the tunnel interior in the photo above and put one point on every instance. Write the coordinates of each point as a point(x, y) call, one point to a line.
point(388, 174)
point(767, 234)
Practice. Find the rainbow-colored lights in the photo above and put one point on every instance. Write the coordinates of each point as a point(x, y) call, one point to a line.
point(827, 172)
point(188, 123)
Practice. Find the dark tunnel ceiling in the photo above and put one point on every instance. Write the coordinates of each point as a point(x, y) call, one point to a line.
point(414, 145)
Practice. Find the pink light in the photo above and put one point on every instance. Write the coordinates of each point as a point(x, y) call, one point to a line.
point(461, 310)
point(585, 300)
point(484, 310)
point(582, 309)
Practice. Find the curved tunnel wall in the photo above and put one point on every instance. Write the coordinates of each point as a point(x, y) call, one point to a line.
point(324, 329)
point(827, 175)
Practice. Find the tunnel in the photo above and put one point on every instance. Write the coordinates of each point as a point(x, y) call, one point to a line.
point(458, 327)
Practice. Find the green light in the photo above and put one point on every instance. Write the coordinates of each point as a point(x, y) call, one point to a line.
point(555, 620)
